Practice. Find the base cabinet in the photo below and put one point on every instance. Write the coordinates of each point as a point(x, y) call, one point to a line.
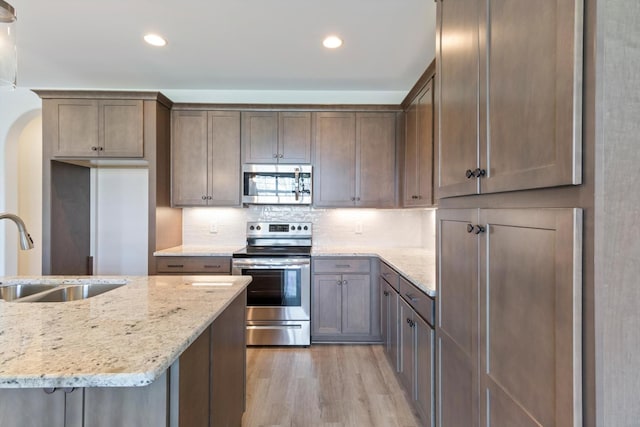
point(416, 368)
point(409, 340)
point(214, 265)
point(205, 387)
point(389, 321)
point(345, 305)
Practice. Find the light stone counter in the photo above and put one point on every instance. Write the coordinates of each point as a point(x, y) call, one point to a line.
point(125, 337)
point(192, 250)
point(417, 265)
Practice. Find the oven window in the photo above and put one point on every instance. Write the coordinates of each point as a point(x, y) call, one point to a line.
point(278, 288)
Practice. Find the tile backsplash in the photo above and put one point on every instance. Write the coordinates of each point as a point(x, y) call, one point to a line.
point(331, 227)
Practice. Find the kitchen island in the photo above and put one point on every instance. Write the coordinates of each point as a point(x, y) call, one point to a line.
point(156, 351)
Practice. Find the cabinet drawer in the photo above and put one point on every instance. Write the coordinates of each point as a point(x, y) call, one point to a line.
point(342, 265)
point(420, 302)
point(199, 264)
point(390, 275)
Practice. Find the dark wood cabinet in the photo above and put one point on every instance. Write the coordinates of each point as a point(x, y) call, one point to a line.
point(276, 137)
point(193, 265)
point(205, 167)
point(457, 320)
point(416, 361)
point(510, 105)
point(418, 157)
point(345, 303)
point(389, 321)
point(91, 129)
point(96, 128)
point(509, 312)
point(204, 387)
point(355, 159)
point(334, 159)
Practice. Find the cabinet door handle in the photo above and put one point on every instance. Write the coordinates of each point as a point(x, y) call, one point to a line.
point(100, 148)
point(280, 156)
point(408, 321)
point(339, 282)
point(345, 282)
point(470, 228)
point(275, 155)
point(209, 197)
point(478, 229)
point(204, 197)
point(385, 293)
point(94, 148)
point(476, 173)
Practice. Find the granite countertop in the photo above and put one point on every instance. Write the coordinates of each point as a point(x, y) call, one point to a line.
point(417, 265)
point(125, 337)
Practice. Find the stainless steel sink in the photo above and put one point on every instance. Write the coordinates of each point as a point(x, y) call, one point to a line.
point(14, 292)
point(73, 293)
point(55, 292)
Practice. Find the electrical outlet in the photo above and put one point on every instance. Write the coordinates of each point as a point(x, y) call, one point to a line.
point(213, 228)
point(358, 227)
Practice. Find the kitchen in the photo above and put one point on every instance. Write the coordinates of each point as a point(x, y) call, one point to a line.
point(609, 257)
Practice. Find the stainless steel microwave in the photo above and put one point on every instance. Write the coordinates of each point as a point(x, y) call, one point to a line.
point(276, 184)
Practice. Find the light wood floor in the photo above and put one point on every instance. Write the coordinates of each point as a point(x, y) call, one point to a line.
point(324, 386)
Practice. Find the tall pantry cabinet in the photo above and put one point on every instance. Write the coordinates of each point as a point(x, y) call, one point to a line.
point(509, 278)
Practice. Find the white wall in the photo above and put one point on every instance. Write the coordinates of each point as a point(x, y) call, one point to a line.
point(30, 195)
point(17, 108)
point(119, 206)
point(331, 227)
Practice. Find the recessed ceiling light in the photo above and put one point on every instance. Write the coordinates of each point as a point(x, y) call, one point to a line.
point(332, 42)
point(155, 40)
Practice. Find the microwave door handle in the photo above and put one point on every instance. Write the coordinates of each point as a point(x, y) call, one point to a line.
point(297, 183)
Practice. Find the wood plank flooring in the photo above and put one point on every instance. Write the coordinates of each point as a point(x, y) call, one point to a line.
point(324, 386)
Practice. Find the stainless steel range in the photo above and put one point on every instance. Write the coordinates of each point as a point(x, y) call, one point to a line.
point(278, 257)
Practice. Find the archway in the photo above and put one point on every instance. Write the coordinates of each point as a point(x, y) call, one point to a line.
point(22, 179)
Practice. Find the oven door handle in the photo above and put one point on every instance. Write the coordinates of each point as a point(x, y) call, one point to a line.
point(274, 327)
point(271, 264)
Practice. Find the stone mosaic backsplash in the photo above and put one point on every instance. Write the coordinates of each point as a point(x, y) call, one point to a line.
point(331, 227)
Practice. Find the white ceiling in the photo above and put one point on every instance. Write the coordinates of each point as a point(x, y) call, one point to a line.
point(231, 45)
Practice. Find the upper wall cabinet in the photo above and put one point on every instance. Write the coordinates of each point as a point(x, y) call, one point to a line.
point(355, 159)
point(276, 137)
point(510, 104)
point(205, 151)
point(418, 158)
point(96, 128)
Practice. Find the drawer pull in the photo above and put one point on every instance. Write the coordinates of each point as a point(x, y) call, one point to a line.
point(213, 266)
point(175, 265)
point(411, 297)
point(343, 265)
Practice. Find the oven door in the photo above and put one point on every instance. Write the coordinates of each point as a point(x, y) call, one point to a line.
point(280, 289)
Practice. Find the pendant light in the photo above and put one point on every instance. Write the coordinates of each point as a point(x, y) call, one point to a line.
point(8, 56)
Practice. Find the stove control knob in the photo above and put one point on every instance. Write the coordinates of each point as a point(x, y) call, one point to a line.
point(299, 228)
point(292, 228)
point(252, 228)
point(258, 228)
point(306, 228)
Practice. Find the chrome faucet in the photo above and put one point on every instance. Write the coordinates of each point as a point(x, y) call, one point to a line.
point(26, 242)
